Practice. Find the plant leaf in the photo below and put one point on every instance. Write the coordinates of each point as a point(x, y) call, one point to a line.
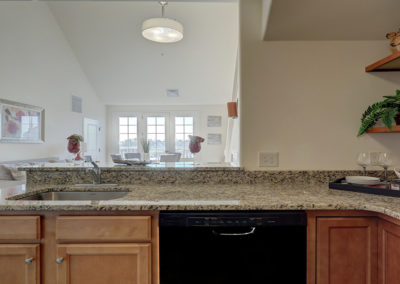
point(388, 117)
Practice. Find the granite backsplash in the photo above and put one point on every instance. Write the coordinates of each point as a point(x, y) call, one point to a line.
point(193, 176)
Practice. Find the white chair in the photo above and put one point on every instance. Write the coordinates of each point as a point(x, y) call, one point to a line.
point(133, 156)
point(170, 158)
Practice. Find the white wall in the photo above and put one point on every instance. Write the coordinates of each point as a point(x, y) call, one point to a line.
point(106, 37)
point(208, 153)
point(38, 67)
point(305, 99)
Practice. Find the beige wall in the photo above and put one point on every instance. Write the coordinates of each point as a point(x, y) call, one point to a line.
point(38, 67)
point(305, 99)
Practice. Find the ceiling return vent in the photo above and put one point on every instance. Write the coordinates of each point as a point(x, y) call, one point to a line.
point(173, 93)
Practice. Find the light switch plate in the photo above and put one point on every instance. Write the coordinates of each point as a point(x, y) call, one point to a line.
point(268, 159)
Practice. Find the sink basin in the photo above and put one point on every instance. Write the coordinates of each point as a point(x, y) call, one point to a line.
point(76, 195)
point(91, 185)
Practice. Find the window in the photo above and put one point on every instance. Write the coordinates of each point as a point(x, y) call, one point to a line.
point(167, 132)
point(128, 134)
point(156, 136)
point(183, 128)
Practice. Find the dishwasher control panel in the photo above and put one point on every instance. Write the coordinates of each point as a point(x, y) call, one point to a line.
point(232, 219)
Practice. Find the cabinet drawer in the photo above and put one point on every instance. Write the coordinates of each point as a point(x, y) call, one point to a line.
point(20, 228)
point(103, 228)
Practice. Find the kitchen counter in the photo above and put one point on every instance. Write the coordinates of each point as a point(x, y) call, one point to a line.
point(178, 166)
point(266, 196)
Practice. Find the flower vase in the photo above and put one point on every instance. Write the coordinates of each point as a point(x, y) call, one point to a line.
point(146, 157)
point(195, 147)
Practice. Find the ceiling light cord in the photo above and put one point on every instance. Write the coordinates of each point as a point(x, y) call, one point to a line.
point(163, 5)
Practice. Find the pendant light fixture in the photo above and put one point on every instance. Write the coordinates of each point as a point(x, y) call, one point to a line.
point(162, 29)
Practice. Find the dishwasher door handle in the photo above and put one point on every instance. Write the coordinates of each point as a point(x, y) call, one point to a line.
point(252, 231)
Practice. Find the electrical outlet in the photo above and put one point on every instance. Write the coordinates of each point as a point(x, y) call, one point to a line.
point(268, 159)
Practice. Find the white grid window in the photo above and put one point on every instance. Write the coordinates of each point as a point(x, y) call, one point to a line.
point(156, 136)
point(128, 139)
point(183, 128)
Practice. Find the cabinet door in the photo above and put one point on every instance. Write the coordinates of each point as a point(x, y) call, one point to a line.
point(346, 250)
point(389, 253)
point(104, 264)
point(19, 263)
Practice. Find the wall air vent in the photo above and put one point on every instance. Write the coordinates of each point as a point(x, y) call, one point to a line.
point(76, 104)
point(173, 93)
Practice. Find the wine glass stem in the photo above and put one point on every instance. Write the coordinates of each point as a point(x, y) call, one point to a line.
point(385, 168)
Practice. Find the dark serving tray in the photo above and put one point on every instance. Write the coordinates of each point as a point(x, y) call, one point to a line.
point(379, 189)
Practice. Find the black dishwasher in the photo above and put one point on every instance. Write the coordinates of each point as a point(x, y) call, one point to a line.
point(233, 247)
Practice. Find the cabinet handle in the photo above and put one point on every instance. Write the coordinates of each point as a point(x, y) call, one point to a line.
point(29, 260)
point(59, 260)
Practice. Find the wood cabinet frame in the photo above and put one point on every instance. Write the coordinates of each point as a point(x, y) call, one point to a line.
point(28, 251)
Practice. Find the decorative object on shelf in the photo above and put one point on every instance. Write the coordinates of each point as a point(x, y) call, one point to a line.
point(74, 146)
point(214, 121)
point(21, 123)
point(394, 38)
point(146, 149)
point(386, 110)
point(163, 30)
point(232, 109)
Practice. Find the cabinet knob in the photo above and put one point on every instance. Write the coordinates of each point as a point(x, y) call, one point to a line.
point(59, 260)
point(29, 260)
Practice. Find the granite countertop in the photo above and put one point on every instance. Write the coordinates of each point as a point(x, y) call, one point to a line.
point(267, 196)
point(179, 166)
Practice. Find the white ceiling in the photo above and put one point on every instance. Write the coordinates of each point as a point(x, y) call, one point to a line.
point(125, 68)
point(332, 19)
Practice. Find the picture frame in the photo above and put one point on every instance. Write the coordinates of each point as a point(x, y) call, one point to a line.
point(214, 121)
point(21, 123)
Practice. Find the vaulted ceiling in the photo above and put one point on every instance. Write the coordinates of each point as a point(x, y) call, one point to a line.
point(125, 68)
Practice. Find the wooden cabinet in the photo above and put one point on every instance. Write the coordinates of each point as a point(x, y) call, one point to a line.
point(346, 250)
point(103, 228)
point(388, 253)
point(18, 228)
point(104, 264)
point(20, 263)
point(81, 248)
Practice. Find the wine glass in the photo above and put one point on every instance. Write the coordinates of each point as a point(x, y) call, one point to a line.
point(364, 160)
point(385, 161)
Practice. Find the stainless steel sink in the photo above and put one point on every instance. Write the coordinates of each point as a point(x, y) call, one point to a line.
point(76, 195)
point(95, 185)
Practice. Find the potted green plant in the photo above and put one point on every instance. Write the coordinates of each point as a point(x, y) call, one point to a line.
point(146, 149)
point(387, 111)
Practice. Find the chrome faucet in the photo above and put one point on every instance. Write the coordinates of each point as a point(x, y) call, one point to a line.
point(96, 172)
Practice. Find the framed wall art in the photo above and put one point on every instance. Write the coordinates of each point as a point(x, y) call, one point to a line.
point(214, 121)
point(21, 123)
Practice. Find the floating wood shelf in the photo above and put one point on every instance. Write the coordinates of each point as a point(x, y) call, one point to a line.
point(396, 129)
point(390, 63)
